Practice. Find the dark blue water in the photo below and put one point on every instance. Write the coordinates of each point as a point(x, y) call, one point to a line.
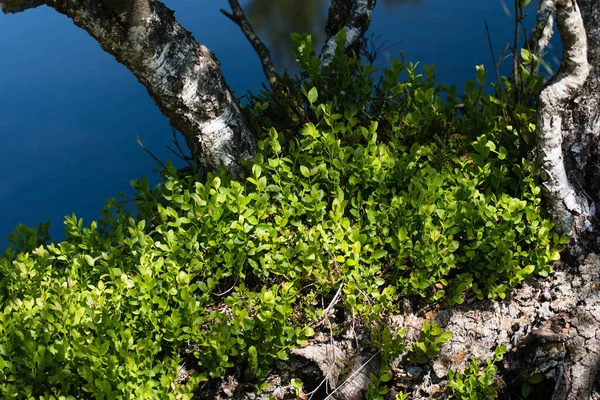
point(69, 111)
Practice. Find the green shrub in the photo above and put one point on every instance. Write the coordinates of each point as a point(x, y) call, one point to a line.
point(476, 383)
point(429, 343)
point(210, 273)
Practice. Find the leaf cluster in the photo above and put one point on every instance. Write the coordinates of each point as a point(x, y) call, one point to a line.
point(385, 191)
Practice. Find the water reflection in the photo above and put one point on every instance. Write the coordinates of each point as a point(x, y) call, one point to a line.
point(274, 21)
point(394, 3)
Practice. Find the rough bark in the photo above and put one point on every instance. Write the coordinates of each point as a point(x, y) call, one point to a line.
point(543, 30)
point(182, 76)
point(580, 129)
point(551, 326)
point(338, 16)
point(354, 21)
point(569, 208)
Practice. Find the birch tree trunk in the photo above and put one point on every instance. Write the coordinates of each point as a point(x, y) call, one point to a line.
point(182, 76)
point(568, 118)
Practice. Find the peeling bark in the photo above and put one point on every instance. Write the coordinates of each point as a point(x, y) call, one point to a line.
point(567, 206)
point(551, 326)
point(580, 128)
point(356, 24)
point(182, 76)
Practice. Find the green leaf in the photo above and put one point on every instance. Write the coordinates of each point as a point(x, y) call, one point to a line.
point(103, 348)
point(312, 95)
point(305, 171)
point(89, 260)
point(377, 254)
point(385, 377)
point(535, 379)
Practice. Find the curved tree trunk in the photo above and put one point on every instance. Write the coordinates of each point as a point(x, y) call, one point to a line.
point(577, 123)
point(182, 76)
point(565, 202)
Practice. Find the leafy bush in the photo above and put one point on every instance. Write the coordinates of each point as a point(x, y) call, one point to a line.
point(428, 345)
point(208, 273)
point(476, 383)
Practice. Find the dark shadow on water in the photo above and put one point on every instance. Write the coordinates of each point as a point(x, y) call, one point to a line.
point(274, 21)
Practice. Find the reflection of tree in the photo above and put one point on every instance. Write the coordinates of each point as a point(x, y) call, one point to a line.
point(275, 20)
point(395, 3)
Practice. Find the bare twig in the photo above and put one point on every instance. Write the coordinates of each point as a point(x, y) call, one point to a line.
point(371, 50)
point(487, 29)
point(239, 18)
point(137, 139)
point(98, 258)
point(179, 152)
point(227, 291)
point(515, 50)
point(326, 312)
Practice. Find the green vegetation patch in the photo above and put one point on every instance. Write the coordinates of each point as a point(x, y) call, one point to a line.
point(386, 191)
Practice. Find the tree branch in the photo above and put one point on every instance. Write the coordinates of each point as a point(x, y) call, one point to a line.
point(356, 25)
point(564, 202)
point(182, 76)
point(239, 18)
point(542, 33)
point(337, 16)
point(16, 6)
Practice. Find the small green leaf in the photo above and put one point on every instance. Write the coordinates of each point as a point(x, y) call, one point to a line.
point(305, 171)
point(103, 348)
point(312, 95)
point(89, 260)
point(377, 254)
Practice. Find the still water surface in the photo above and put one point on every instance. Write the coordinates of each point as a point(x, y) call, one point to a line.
point(69, 111)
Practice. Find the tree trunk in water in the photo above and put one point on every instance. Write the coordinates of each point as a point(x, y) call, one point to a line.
point(182, 76)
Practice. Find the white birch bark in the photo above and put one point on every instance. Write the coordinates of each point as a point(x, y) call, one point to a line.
point(182, 76)
point(563, 199)
point(544, 27)
point(356, 26)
